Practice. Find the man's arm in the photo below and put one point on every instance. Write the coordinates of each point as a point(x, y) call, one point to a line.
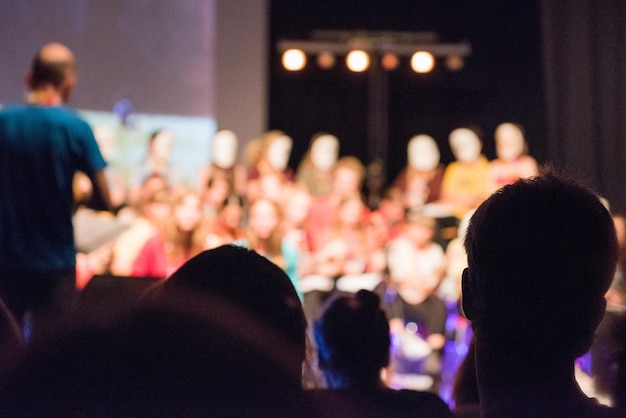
point(100, 199)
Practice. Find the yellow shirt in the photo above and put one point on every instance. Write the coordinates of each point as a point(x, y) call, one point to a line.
point(464, 185)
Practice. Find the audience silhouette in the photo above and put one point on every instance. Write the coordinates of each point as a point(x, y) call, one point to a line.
point(352, 336)
point(224, 336)
point(541, 255)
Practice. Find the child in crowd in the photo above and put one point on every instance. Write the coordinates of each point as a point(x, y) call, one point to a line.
point(140, 251)
point(315, 171)
point(185, 230)
point(347, 180)
point(464, 184)
point(224, 164)
point(352, 337)
point(228, 226)
point(417, 316)
point(265, 236)
point(388, 219)
point(421, 179)
point(350, 245)
point(296, 206)
point(512, 163)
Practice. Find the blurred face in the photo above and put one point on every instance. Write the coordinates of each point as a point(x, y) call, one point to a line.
point(188, 213)
point(465, 145)
point(271, 187)
point(158, 212)
point(150, 186)
point(297, 208)
point(231, 215)
point(420, 235)
point(217, 192)
point(423, 153)
point(161, 145)
point(393, 210)
point(263, 219)
point(346, 181)
point(416, 193)
point(351, 211)
point(509, 142)
point(324, 152)
point(224, 149)
point(278, 153)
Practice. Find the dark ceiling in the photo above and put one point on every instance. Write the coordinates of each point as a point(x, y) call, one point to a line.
point(501, 81)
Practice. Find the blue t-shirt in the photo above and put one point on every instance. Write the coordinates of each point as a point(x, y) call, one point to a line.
point(41, 148)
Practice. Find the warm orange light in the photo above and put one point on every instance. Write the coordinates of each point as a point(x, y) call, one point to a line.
point(358, 61)
point(325, 60)
point(454, 63)
point(390, 62)
point(422, 62)
point(294, 60)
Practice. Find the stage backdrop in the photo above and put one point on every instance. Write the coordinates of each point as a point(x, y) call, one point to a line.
point(585, 82)
point(159, 60)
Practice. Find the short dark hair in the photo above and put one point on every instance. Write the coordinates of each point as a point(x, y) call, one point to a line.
point(46, 72)
point(541, 255)
point(352, 336)
point(250, 282)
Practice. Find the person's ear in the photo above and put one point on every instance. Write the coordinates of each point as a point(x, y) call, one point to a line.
point(467, 298)
point(598, 315)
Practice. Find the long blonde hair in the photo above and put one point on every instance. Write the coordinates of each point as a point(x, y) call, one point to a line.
point(183, 244)
point(272, 246)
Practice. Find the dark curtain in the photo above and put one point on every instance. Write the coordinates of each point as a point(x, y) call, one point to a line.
point(584, 57)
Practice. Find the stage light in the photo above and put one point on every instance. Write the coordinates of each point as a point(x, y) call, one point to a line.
point(325, 60)
point(390, 62)
point(454, 63)
point(422, 62)
point(294, 60)
point(358, 61)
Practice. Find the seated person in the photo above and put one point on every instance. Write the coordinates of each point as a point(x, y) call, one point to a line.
point(177, 357)
point(388, 219)
point(227, 272)
point(223, 336)
point(157, 162)
point(348, 178)
point(140, 250)
point(315, 170)
point(417, 316)
point(464, 184)
point(609, 342)
point(224, 164)
point(421, 179)
point(541, 255)
point(228, 226)
point(352, 337)
point(512, 163)
point(269, 176)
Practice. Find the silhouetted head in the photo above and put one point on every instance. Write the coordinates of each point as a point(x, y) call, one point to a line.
point(250, 282)
point(53, 66)
point(186, 354)
point(352, 336)
point(541, 255)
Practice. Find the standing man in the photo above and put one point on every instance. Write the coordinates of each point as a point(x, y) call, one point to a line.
point(42, 145)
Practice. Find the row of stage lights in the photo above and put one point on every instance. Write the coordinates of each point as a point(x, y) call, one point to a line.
point(359, 61)
point(360, 48)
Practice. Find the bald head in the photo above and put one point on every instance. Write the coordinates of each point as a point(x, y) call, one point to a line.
point(56, 52)
point(53, 67)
